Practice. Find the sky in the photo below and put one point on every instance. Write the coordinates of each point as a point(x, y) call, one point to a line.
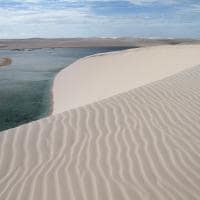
point(100, 18)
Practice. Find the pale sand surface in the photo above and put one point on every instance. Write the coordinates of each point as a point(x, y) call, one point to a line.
point(5, 61)
point(140, 145)
point(97, 77)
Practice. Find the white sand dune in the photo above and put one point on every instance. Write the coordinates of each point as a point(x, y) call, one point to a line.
point(97, 77)
point(140, 145)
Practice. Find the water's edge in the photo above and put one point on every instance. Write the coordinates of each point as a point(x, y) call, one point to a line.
point(26, 85)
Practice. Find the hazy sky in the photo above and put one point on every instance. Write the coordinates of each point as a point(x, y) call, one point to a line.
point(104, 18)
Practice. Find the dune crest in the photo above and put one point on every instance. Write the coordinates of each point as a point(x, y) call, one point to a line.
point(101, 76)
point(139, 145)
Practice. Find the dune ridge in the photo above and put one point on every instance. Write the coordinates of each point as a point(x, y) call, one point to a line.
point(100, 76)
point(142, 144)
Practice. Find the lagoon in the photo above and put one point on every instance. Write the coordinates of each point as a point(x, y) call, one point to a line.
point(25, 85)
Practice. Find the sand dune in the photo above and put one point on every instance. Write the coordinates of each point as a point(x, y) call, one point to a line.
point(97, 77)
point(142, 144)
point(5, 61)
point(34, 43)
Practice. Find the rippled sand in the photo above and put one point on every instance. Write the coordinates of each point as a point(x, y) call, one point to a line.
point(138, 145)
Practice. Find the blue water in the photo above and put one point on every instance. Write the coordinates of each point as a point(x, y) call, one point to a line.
point(25, 85)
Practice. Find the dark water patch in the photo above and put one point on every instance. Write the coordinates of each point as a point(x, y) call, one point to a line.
point(23, 102)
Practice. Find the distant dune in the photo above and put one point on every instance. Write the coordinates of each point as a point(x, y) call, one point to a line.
point(5, 61)
point(34, 43)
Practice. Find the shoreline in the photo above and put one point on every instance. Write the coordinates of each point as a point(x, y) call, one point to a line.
point(34, 73)
point(51, 110)
point(85, 57)
point(78, 79)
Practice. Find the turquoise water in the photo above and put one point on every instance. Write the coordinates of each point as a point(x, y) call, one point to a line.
point(25, 85)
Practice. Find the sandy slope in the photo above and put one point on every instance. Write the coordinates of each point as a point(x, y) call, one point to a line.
point(97, 77)
point(143, 144)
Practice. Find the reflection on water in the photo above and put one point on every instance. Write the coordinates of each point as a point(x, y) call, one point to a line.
point(25, 84)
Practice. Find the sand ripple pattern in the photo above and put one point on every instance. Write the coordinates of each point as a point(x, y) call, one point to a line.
point(143, 144)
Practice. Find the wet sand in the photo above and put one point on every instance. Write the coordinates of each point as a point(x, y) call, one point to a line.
point(5, 61)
